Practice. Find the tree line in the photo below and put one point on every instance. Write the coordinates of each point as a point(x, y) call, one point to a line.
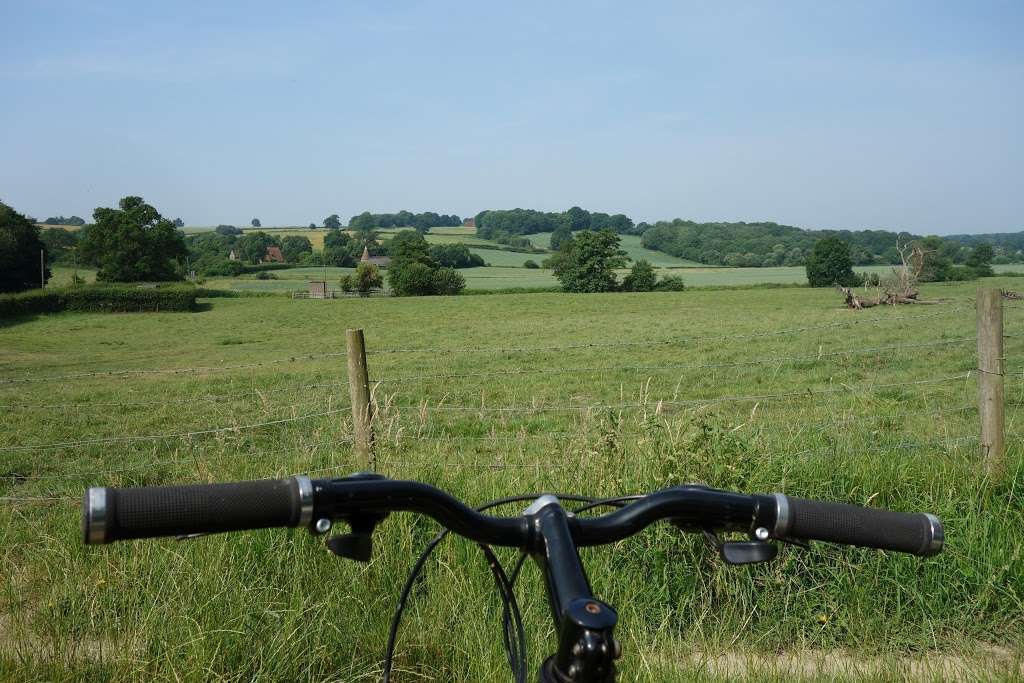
point(503, 223)
point(771, 244)
point(830, 262)
point(421, 222)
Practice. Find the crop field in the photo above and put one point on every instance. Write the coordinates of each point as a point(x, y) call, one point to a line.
point(754, 390)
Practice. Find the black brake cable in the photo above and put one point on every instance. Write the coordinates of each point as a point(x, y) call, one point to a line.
point(613, 502)
point(510, 604)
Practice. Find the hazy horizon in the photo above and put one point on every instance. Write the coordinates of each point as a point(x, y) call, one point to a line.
point(866, 116)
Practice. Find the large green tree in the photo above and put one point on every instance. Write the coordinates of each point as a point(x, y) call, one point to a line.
point(20, 248)
point(579, 219)
point(363, 228)
point(830, 263)
point(295, 246)
point(252, 246)
point(133, 243)
point(588, 263)
point(562, 235)
point(340, 249)
point(413, 271)
point(60, 244)
point(980, 260)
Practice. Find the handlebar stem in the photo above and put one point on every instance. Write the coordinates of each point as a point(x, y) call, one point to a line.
point(586, 647)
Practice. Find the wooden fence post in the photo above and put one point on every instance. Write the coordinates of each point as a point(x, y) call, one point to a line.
point(990, 377)
point(359, 394)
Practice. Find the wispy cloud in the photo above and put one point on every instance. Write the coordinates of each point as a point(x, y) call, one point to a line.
point(167, 64)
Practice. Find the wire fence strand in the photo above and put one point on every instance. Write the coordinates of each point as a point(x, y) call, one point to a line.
point(159, 437)
point(673, 366)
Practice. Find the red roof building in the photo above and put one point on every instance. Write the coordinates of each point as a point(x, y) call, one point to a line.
point(273, 255)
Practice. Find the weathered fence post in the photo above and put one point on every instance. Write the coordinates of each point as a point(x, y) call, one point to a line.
point(359, 394)
point(990, 377)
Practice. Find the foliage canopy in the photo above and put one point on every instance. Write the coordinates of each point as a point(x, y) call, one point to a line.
point(133, 243)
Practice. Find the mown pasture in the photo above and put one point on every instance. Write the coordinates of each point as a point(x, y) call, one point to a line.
point(758, 390)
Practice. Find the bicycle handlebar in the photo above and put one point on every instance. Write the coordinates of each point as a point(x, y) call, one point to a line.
point(112, 514)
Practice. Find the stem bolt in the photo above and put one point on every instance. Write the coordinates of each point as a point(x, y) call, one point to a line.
point(592, 608)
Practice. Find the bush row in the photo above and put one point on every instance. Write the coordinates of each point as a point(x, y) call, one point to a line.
point(100, 298)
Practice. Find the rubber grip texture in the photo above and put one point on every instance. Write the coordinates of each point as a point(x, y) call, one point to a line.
point(860, 526)
point(198, 509)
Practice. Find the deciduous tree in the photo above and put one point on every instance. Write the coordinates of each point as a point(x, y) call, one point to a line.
point(20, 247)
point(133, 243)
point(830, 264)
point(588, 263)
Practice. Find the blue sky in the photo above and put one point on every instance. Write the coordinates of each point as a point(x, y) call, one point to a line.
point(820, 114)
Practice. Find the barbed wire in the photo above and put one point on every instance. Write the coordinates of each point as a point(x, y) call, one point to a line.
point(674, 366)
point(159, 437)
point(903, 445)
point(671, 340)
point(207, 397)
point(805, 393)
point(168, 371)
point(307, 357)
point(196, 460)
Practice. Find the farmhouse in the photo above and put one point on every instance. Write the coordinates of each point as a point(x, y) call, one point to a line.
point(273, 255)
point(379, 261)
point(469, 223)
point(233, 256)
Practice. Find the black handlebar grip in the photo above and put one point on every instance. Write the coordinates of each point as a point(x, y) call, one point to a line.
point(110, 514)
point(918, 534)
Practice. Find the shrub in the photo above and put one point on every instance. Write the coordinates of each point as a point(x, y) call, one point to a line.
point(33, 301)
point(366, 278)
point(670, 283)
point(448, 281)
point(265, 275)
point(530, 263)
point(101, 298)
point(455, 256)
point(641, 278)
point(222, 267)
point(411, 279)
point(260, 267)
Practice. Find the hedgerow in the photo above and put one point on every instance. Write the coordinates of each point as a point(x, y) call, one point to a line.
point(101, 299)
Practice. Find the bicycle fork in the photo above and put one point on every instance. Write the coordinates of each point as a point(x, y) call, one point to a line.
point(587, 649)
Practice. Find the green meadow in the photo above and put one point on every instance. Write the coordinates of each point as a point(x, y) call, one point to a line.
point(752, 390)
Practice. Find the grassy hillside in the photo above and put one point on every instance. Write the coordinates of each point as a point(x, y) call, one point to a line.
point(761, 390)
point(631, 245)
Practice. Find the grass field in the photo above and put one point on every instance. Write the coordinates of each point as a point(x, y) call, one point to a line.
point(759, 390)
point(502, 276)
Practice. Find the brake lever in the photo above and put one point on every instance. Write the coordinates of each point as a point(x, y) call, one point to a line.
point(741, 552)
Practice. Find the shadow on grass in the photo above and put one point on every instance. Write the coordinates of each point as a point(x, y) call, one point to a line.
point(12, 320)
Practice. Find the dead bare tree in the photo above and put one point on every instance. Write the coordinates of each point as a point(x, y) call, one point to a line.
point(901, 286)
